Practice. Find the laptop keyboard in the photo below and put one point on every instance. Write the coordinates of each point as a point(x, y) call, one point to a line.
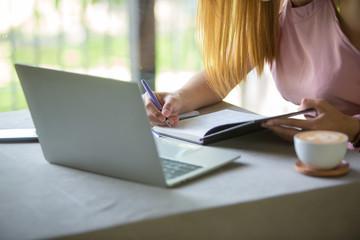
point(174, 169)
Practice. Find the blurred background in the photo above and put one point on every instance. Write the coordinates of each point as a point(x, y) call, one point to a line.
point(122, 39)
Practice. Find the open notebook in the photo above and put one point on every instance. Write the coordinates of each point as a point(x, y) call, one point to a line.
point(217, 126)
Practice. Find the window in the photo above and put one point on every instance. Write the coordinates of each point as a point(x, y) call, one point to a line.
point(121, 39)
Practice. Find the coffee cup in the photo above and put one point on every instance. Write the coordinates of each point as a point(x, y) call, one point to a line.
point(320, 150)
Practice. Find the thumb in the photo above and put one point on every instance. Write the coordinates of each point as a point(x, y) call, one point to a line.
point(307, 103)
point(166, 111)
point(168, 107)
point(171, 105)
point(318, 105)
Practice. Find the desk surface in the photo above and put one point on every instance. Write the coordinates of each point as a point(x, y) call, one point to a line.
point(42, 200)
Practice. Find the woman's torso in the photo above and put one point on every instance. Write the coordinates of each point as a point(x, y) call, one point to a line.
point(316, 59)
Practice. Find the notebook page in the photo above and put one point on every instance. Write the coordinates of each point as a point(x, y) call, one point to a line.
point(198, 126)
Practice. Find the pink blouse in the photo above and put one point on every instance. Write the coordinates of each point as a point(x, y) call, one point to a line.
point(316, 59)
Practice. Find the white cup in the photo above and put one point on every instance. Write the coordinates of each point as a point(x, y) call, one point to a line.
point(320, 150)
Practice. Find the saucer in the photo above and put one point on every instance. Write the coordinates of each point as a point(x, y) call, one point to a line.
point(341, 169)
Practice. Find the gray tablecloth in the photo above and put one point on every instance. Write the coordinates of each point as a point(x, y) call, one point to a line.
point(259, 195)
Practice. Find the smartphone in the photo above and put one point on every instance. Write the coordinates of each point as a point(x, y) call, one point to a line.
point(18, 135)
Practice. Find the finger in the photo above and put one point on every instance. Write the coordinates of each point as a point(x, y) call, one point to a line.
point(156, 120)
point(291, 122)
point(284, 132)
point(307, 103)
point(155, 116)
point(149, 104)
point(153, 112)
point(319, 105)
point(168, 102)
point(170, 106)
point(173, 120)
point(167, 110)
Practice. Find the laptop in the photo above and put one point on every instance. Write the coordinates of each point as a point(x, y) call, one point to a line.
point(100, 125)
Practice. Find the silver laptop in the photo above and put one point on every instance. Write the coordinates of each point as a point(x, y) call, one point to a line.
point(100, 125)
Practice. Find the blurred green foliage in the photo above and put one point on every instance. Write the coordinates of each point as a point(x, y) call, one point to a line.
point(96, 50)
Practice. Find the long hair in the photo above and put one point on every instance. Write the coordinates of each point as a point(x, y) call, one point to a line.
point(233, 34)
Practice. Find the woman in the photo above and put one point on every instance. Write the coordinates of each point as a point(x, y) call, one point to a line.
point(313, 48)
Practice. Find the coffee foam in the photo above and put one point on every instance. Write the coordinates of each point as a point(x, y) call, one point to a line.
point(322, 137)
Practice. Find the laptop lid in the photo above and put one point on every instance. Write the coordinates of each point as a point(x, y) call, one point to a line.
point(100, 125)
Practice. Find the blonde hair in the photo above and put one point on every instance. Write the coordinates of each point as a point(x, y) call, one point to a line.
point(233, 34)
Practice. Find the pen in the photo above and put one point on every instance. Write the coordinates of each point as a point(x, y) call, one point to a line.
point(154, 98)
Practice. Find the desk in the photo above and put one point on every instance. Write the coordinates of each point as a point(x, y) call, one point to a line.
point(260, 196)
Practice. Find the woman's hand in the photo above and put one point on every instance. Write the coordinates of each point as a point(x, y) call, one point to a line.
point(195, 94)
point(326, 117)
point(171, 103)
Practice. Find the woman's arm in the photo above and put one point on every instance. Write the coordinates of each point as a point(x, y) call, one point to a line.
point(196, 93)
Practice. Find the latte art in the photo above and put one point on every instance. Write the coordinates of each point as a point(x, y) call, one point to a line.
point(322, 137)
